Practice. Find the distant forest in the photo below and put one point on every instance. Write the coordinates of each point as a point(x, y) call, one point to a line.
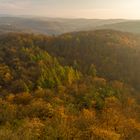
point(57, 26)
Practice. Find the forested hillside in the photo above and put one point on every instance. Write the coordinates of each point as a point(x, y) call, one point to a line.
point(127, 26)
point(116, 55)
point(76, 86)
point(50, 26)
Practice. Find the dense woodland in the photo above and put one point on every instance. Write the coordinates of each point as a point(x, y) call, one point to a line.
point(76, 86)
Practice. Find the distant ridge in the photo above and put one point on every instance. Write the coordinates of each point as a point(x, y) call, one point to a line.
point(51, 26)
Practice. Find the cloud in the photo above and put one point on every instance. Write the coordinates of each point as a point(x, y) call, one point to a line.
point(9, 6)
point(15, 7)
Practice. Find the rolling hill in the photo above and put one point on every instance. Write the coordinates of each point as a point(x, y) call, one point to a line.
point(115, 54)
point(80, 85)
point(50, 26)
point(128, 26)
point(57, 26)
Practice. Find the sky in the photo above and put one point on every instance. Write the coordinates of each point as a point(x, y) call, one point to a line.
point(101, 9)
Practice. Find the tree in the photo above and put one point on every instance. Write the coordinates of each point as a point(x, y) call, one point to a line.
point(92, 70)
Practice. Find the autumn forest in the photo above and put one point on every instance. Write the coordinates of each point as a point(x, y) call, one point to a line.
point(74, 86)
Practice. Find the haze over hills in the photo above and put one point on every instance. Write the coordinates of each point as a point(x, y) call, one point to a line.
point(55, 26)
point(51, 26)
point(127, 26)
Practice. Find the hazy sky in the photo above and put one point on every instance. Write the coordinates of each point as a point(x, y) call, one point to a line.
point(73, 8)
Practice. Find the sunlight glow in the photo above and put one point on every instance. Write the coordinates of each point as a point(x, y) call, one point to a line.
point(73, 8)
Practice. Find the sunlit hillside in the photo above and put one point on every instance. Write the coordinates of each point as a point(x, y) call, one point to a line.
point(75, 86)
point(69, 70)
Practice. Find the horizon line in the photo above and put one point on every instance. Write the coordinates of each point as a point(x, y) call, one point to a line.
point(59, 17)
